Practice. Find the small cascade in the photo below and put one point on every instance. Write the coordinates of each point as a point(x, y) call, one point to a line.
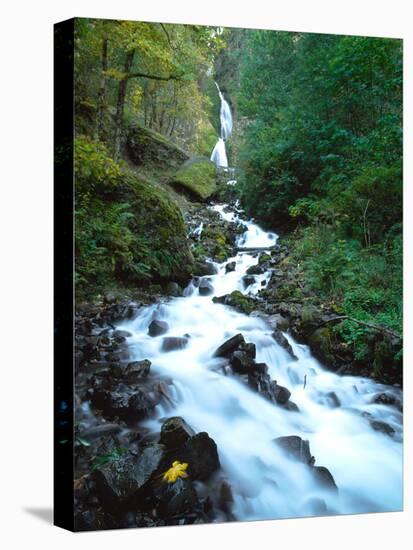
point(219, 153)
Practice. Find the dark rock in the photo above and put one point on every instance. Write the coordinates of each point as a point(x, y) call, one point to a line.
point(291, 406)
point(122, 479)
point(110, 298)
point(382, 427)
point(139, 404)
point(230, 266)
point(173, 289)
point(281, 394)
point(323, 476)
point(255, 270)
point(229, 346)
point(333, 399)
point(261, 368)
point(248, 280)
point(138, 369)
point(147, 146)
point(100, 431)
point(249, 348)
point(226, 497)
point(277, 321)
point(157, 328)
point(295, 448)
point(387, 399)
point(172, 343)
point(205, 268)
point(175, 432)
point(115, 371)
point(201, 453)
point(121, 334)
point(261, 383)
point(241, 362)
point(283, 342)
point(129, 405)
point(205, 287)
point(176, 499)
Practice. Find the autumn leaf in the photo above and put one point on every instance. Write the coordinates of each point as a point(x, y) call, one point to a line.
point(178, 469)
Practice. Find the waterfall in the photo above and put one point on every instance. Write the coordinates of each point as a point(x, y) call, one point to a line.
point(219, 153)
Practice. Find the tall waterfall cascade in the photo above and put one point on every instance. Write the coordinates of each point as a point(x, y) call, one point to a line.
point(219, 153)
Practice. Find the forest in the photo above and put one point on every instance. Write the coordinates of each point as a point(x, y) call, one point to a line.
point(262, 171)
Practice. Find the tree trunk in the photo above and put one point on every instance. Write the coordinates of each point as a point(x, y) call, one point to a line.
point(120, 105)
point(102, 91)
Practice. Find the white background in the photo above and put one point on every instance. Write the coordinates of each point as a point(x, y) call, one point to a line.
point(26, 271)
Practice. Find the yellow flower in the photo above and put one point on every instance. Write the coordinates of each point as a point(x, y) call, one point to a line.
point(176, 470)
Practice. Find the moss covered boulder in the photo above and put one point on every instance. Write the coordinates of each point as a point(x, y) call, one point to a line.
point(145, 146)
point(197, 178)
point(129, 231)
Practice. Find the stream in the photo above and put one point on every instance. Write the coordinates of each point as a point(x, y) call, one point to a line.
point(366, 464)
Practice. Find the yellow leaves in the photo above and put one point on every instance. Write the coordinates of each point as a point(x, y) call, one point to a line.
point(178, 469)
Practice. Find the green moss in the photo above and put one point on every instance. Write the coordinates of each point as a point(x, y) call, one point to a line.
point(241, 302)
point(198, 177)
point(264, 258)
point(147, 147)
point(128, 230)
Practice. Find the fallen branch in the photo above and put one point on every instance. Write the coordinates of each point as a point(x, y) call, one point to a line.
point(379, 328)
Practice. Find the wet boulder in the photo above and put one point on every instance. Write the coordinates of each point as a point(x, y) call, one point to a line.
point(249, 348)
point(173, 343)
point(205, 268)
point(387, 398)
point(281, 394)
point(295, 448)
point(324, 478)
point(201, 454)
point(139, 405)
point(138, 369)
point(230, 266)
point(121, 335)
point(261, 383)
point(229, 346)
point(175, 432)
point(248, 280)
point(283, 342)
point(333, 400)
point(205, 287)
point(255, 270)
point(157, 328)
point(125, 403)
point(120, 480)
point(177, 499)
point(383, 427)
point(241, 362)
point(96, 432)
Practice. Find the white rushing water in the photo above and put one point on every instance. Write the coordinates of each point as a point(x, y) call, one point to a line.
point(366, 464)
point(219, 153)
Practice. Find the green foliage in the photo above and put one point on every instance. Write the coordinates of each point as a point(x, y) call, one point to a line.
point(323, 150)
point(164, 85)
point(126, 230)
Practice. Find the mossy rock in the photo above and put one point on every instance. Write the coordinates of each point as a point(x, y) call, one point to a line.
point(197, 178)
point(145, 146)
point(237, 300)
point(160, 223)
